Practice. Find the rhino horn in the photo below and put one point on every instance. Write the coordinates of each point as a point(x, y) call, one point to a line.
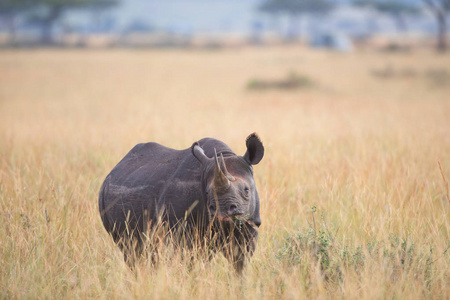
point(220, 173)
point(223, 167)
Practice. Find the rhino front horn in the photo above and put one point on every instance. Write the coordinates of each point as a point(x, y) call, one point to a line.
point(220, 178)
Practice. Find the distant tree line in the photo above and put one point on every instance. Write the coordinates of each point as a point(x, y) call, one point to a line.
point(440, 9)
point(293, 9)
point(44, 13)
point(397, 9)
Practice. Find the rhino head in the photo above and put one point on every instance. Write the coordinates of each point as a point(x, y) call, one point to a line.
point(228, 183)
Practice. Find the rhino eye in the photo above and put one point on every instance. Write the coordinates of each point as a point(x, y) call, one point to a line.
point(246, 191)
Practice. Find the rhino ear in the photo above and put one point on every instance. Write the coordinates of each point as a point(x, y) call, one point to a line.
point(198, 153)
point(255, 149)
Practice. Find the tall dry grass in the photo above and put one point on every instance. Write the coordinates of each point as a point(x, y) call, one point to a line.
point(354, 204)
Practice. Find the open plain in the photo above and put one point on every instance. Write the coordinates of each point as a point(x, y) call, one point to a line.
point(353, 186)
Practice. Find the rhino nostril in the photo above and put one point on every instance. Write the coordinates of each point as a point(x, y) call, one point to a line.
point(232, 210)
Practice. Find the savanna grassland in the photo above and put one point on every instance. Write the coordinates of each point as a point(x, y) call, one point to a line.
point(353, 196)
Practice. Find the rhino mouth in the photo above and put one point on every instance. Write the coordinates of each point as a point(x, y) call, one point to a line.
point(238, 219)
point(226, 218)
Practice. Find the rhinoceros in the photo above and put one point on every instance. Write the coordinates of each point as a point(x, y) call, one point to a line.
point(205, 191)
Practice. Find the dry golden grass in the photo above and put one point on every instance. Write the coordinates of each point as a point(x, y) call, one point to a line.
point(362, 150)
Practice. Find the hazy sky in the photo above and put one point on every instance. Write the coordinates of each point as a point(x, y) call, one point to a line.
point(197, 15)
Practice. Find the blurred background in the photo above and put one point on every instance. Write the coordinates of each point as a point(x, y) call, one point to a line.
point(337, 24)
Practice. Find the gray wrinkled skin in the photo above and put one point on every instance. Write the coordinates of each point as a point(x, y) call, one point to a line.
point(207, 188)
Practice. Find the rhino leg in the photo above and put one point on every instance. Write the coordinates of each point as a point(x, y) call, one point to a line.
point(240, 247)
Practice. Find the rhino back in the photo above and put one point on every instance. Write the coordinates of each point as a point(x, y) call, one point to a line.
point(130, 192)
